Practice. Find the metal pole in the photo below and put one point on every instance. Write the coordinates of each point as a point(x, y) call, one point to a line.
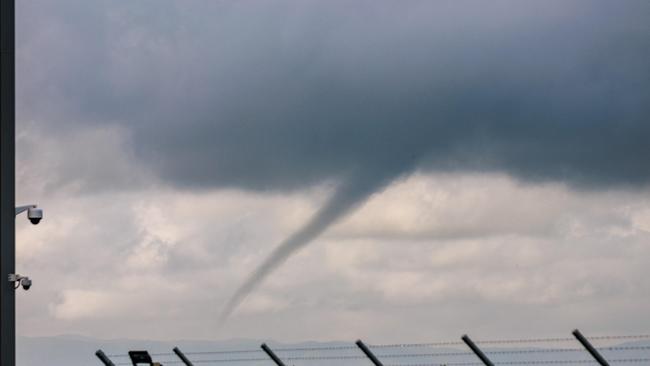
point(587, 345)
point(272, 354)
point(180, 355)
point(368, 353)
point(477, 351)
point(102, 357)
point(7, 183)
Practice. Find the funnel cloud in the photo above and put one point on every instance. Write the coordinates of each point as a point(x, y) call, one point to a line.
point(349, 194)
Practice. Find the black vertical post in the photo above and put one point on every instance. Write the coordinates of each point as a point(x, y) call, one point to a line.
point(180, 355)
point(272, 355)
point(7, 177)
point(366, 351)
point(102, 356)
point(477, 351)
point(592, 351)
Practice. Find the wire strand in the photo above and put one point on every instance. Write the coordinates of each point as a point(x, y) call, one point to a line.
point(439, 354)
point(307, 358)
point(552, 362)
point(412, 345)
point(315, 348)
point(524, 340)
point(224, 352)
point(541, 350)
point(624, 348)
point(635, 336)
point(232, 360)
point(440, 364)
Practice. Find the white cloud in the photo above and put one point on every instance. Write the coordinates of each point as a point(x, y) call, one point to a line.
point(465, 205)
point(79, 304)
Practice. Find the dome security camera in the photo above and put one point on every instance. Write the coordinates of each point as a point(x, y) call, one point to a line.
point(35, 215)
point(19, 280)
point(26, 283)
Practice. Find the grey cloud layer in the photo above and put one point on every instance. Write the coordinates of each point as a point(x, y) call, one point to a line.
point(282, 95)
point(288, 94)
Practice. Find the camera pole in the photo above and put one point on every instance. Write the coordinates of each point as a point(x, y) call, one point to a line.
point(7, 183)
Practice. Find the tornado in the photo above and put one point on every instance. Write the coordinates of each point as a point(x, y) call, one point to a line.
point(348, 195)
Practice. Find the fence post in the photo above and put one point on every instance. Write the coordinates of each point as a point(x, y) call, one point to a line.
point(592, 351)
point(477, 351)
point(368, 353)
point(102, 357)
point(180, 355)
point(272, 355)
point(7, 182)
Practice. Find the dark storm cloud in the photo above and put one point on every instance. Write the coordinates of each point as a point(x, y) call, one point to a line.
point(282, 95)
point(285, 95)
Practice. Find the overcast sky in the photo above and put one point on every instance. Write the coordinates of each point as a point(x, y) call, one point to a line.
point(461, 166)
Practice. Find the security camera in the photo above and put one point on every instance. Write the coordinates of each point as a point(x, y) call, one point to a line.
point(34, 215)
point(19, 280)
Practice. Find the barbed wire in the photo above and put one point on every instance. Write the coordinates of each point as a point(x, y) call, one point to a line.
point(546, 362)
point(438, 354)
point(232, 360)
point(527, 340)
point(542, 362)
point(307, 358)
point(169, 361)
point(537, 350)
point(314, 348)
point(551, 362)
point(632, 360)
point(624, 348)
point(423, 345)
point(485, 341)
point(505, 352)
point(606, 337)
point(164, 362)
point(440, 364)
point(414, 345)
point(224, 352)
point(122, 355)
point(397, 355)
